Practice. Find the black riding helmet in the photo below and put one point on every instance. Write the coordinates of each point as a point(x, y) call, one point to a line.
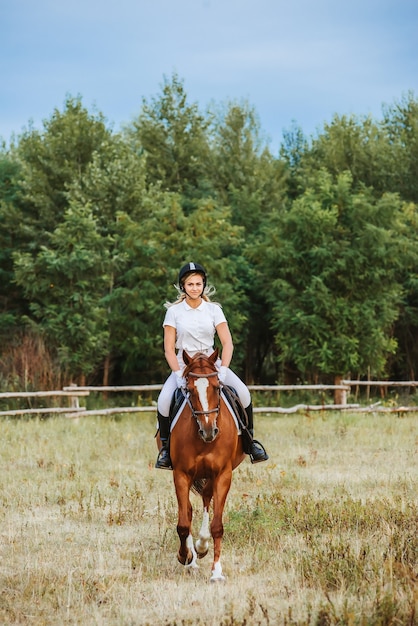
point(191, 268)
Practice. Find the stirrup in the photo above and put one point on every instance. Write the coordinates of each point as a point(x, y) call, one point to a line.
point(258, 453)
point(163, 459)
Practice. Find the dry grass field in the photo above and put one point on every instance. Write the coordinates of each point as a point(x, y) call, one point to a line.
point(326, 532)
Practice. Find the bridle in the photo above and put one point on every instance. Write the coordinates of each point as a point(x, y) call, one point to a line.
point(196, 413)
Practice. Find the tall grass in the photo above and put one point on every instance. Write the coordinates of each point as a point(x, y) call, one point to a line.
point(326, 532)
point(27, 363)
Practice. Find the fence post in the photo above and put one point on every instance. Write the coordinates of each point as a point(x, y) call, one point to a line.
point(74, 403)
point(340, 395)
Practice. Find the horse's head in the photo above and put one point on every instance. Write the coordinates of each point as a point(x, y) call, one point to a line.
point(203, 385)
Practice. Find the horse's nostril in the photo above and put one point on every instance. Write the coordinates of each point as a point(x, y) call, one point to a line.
point(215, 431)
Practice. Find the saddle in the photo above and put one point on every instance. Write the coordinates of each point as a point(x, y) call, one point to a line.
point(176, 402)
point(236, 405)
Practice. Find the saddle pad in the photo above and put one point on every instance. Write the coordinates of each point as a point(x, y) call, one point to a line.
point(178, 413)
point(231, 410)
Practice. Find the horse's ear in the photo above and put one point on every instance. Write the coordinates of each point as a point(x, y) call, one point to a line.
point(214, 356)
point(186, 358)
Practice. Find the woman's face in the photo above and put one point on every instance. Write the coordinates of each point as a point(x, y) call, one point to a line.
point(193, 286)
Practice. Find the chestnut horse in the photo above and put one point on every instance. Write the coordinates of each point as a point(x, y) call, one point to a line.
point(205, 447)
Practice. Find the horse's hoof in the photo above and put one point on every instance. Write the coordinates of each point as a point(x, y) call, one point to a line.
point(217, 575)
point(184, 560)
point(218, 579)
point(187, 561)
point(200, 555)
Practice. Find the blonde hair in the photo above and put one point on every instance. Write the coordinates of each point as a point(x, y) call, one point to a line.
point(208, 291)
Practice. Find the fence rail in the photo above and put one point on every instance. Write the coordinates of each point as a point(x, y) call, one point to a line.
point(74, 392)
point(45, 394)
point(73, 411)
point(381, 383)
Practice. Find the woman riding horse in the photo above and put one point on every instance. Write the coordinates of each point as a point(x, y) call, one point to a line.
point(190, 324)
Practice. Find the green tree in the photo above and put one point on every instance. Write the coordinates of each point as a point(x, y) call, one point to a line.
point(51, 162)
point(381, 155)
point(243, 172)
point(113, 185)
point(65, 283)
point(156, 247)
point(173, 135)
point(252, 183)
point(405, 363)
point(349, 143)
point(12, 302)
point(218, 160)
point(332, 263)
point(401, 125)
point(293, 149)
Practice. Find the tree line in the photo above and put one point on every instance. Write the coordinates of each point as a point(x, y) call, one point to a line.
point(313, 250)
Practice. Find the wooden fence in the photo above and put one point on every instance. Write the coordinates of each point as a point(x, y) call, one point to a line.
point(74, 392)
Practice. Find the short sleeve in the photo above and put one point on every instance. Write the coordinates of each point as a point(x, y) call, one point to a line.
point(218, 315)
point(170, 318)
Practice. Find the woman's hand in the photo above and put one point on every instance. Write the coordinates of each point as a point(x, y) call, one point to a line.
point(222, 373)
point(181, 381)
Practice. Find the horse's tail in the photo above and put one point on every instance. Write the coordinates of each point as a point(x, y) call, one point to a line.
point(198, 486)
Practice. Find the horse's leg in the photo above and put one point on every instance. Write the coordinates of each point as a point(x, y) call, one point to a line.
point(202, 543)
point(187, 553)
point(220, 492)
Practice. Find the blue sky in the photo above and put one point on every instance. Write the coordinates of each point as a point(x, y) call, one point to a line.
point(297, 60)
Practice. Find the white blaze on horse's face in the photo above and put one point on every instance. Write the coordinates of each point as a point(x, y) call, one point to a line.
point(201, 385)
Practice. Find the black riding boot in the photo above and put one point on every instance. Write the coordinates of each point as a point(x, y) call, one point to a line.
point(163, 460)
point(252, 447)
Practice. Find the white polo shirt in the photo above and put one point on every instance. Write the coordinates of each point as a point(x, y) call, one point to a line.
point(195, 328)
